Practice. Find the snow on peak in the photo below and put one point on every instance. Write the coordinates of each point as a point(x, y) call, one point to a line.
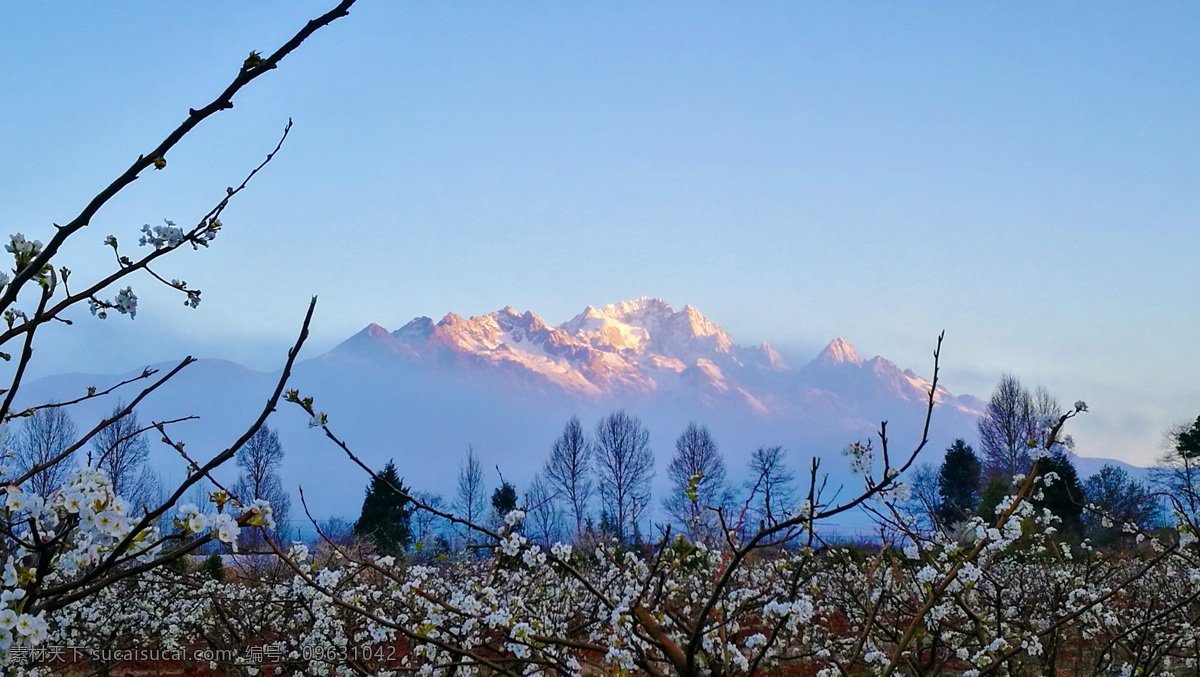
point(773, 357)
point(503, 329)
point(643, 307)
point(606, 330)
point(418, 329)
point(637, 349)
point(650, 326)
point(839, 351)
point(701, 325)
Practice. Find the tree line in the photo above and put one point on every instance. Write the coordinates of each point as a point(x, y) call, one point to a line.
point(597, 483)
point(593, 484)
point(1012, 437)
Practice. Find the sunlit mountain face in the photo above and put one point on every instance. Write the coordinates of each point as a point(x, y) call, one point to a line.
point(639, 352)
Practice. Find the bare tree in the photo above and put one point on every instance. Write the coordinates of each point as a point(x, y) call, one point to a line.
point(1006, 429)
point(697, 473)
point(470, 503)
point(543, 515)
point(772, 486)
point(120, 451)
point(44, 436)
point(336, 530)
point(425, 524)
point(922, 505)
point(1015, 422)
point(568, 471)
point(624, 468)
point(259, 461)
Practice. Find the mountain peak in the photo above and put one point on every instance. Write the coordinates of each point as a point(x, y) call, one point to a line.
point(699, 324)
point(839, 351)
point(648, 325)
point(641, 306)
point(370, 341)
point(640, 350)
point(773, 357)
point(367, 335)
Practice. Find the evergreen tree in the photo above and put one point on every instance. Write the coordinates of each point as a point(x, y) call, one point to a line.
point(1178, 471)
point(384, 521)
point(958, 484)
point(1063, 495)
point(504, 499)
point(1187, 441)
point(994, 492)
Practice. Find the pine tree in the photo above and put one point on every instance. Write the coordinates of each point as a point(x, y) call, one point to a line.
point(958, 484)
point(384, 521)
point(993, 492)
point(1187, 442)
point(1064, 494)
point(608, 526)
point(504, 500)
point(1178, 471)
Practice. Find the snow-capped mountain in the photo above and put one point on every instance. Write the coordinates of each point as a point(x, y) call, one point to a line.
point(506, 382)
point(639, 351)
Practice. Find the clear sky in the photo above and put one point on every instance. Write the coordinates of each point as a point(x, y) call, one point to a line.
point(1022, 175)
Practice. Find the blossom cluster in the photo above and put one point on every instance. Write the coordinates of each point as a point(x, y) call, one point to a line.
point(52, 540)
point(1009, 593)
point(23, 251)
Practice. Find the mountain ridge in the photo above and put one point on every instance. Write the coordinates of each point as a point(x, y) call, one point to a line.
point(637, 350)
point(505, 383)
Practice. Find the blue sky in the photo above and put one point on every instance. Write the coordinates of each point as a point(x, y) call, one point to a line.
point(1022, 175)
